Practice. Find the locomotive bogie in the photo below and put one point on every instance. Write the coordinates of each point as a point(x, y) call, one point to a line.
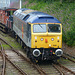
point(44, 53)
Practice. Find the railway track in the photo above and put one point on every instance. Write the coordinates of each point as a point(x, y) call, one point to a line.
point(49, 69)
point(69, 56)
point(67, 67)
point(63, 70)
point(3, 61)
point(16, 58)
point(59, 69)
point(43, 69)
point(5, 64)
point(69, 63)
point(1, 64)
point(2, 28)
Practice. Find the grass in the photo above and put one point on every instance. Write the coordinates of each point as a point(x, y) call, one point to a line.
point(6, 46)
point(11, 41)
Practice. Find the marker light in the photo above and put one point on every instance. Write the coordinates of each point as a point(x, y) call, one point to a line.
point(52, 39)
point(51, 51)
point(58, 37)
point(41, 39)
point(49, 45)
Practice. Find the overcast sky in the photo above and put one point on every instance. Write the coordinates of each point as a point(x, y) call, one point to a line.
point(9, 3)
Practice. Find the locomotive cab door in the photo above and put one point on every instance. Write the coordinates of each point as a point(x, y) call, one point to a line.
point(29, 33)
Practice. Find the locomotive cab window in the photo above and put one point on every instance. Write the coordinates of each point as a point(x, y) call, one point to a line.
point(54, 28)
point(39, 28)
point(8, 13)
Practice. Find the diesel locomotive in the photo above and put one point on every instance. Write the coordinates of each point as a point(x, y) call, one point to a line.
point(39, 33)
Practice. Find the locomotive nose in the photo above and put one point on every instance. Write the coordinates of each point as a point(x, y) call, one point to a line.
point(36, 52)
point(58, 52)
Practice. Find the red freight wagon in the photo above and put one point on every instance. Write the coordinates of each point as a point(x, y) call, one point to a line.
point(5, 13)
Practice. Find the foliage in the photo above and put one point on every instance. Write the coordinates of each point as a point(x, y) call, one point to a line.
point(70, 38)
point(44, 1)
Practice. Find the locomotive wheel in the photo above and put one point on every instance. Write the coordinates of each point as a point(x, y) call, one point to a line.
point(28, 52)
point(13, 34)
point(30, 56)
point(55, 61)
point(23, 45)
point(6, 30)
point(19, 41)
point(16, 38)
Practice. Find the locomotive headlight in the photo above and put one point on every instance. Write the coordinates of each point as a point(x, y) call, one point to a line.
point(36, 52)
point(58, 52)
point(52, 39)
point(41, 39)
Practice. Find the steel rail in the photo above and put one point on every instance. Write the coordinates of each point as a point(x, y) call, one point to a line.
point(69, 55)
point(58, 69)
point(5, 56)
point(20, 70)
point(66, 68)
point(4, 60)
point(34, 65)
point(2, 30)
point(68, 58)
point(40, 70)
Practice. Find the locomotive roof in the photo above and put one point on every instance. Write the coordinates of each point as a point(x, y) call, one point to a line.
point(33, 16)
point(6, 8)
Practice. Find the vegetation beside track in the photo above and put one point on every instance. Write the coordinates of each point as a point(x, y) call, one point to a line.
point(63, 10)
point(10, 40)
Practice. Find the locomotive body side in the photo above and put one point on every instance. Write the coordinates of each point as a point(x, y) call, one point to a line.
point(21, 29)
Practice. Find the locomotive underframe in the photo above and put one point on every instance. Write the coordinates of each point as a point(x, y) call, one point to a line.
point(45, 54)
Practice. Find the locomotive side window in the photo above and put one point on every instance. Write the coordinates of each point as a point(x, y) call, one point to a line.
point(39, 28)
point(26, 17)
point(54, 28)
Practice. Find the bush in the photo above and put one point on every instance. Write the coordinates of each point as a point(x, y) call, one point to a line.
point(70, 38)
point(63, 36)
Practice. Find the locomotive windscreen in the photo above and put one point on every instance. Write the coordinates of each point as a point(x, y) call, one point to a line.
point(43, 28)
point(39, 28)
point(54, 28)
